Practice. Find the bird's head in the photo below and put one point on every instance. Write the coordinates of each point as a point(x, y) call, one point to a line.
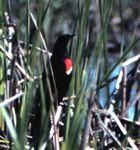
point(60, 46)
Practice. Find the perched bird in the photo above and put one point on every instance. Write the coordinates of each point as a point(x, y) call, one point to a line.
point(62, 72)
point(62, 65)
point(61, 68)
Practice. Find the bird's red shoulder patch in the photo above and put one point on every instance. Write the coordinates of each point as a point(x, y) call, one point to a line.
point(68, 65)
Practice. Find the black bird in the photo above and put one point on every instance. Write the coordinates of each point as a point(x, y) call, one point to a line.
point(62, 71)
point(62, 65)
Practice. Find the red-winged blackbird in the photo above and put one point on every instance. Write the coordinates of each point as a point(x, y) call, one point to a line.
point(62, 65)
point(62, 71)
